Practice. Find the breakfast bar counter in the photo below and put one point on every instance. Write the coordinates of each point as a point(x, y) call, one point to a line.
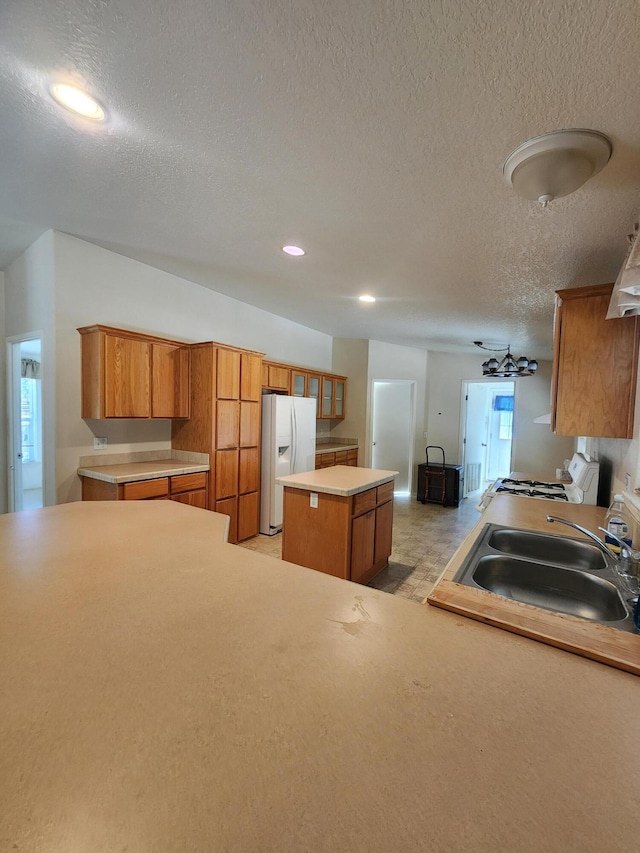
point(166, 691)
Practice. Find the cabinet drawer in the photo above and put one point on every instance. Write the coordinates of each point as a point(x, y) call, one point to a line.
point(188, 482)
point(341, 457)
point(146, 489)
point(384, 492)
point(364, 501)
point(352, 458)
point(327, 460)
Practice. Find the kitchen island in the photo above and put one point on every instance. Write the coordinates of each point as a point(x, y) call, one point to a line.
point(581, 636)
point(339, 520)
point(167, 691)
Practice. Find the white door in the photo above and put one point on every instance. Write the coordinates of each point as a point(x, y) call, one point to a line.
point(24, 397)
point(392, 430)
point(486, 441)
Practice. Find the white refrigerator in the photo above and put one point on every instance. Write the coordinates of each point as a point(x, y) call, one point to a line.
point(288, 447)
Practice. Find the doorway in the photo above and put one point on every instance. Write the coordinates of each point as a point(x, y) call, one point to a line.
point(26, 462)
point(487, 436)
point(392, 429)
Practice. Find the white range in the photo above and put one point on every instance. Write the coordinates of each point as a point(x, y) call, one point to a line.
point(583, 488)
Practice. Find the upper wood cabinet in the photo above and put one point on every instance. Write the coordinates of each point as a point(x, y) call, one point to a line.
point(169, 381)
point(131, 375)
point(228, 374)
point(327, 389)
point(595, 366)
point(276, 377)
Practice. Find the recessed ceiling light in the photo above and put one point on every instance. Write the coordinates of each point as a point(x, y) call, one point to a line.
point(296, 251)
point(77, 100)
point(366, 298)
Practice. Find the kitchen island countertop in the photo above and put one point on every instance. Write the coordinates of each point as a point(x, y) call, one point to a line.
point(344, 480)
point(168, 691)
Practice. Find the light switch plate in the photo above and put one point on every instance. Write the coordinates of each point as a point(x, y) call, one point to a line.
point(313, 500)
point(100, 442)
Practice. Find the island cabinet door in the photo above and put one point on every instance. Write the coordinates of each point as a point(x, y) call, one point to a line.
point(384, 533)
point(362, 545)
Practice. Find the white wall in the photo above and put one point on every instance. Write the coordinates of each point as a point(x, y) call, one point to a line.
point(536, 449)
point(61, 283)
point(29, 309)
point(351, 359)
point(3, 397)
point(94, 285)
point(389, 361)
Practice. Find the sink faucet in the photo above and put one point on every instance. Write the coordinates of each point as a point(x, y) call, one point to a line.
point(610, 554)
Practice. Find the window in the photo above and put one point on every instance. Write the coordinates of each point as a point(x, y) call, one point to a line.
point(505, 428)
point(29, 419)
point(503, 404)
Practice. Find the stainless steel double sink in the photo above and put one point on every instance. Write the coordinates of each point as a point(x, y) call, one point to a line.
point(553, 572)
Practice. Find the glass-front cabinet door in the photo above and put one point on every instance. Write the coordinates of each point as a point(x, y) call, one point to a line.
point(313, 390)
point(338, 408)
point(298, 383)
point(327, 397)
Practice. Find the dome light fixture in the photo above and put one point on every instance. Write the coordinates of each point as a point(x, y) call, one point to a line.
point(557, 163)
point(366, 297)
point(77, 101)
point(294, 251)
point(508, 367)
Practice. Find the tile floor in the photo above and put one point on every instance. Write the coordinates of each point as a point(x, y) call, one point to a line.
point(424, 539)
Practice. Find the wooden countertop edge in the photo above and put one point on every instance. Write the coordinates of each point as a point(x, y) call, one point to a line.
point(596, 642)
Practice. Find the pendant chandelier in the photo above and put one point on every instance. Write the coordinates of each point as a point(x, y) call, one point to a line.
point(508, 367)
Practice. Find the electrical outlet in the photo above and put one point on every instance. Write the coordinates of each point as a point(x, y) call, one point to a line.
point(100, 442)
point(424, 435)
point(313, 500)
point(627, 482)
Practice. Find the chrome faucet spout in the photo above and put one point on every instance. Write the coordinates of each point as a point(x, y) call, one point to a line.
point(586, 532)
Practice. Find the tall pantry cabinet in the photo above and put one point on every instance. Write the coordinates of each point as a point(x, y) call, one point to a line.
point(224, 422)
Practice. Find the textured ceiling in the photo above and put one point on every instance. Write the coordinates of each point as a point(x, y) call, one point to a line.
point(371, 132)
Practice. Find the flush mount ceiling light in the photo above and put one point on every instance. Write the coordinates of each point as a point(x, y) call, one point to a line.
point(366, 298)
point(508, 367)
point(556, 164)
point(77, 101)
point(295, 251)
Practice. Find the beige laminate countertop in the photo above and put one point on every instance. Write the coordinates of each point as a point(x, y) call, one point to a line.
point(129, 472)
point(581, 636)
point(344, 480)
point(334, 448)
point(164, 691)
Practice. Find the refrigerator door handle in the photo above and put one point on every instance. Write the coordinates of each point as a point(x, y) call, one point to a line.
point(294, 437)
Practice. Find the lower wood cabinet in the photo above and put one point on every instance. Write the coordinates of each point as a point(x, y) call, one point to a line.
point(185, 488)
point(339, 457)
point(349, 537)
